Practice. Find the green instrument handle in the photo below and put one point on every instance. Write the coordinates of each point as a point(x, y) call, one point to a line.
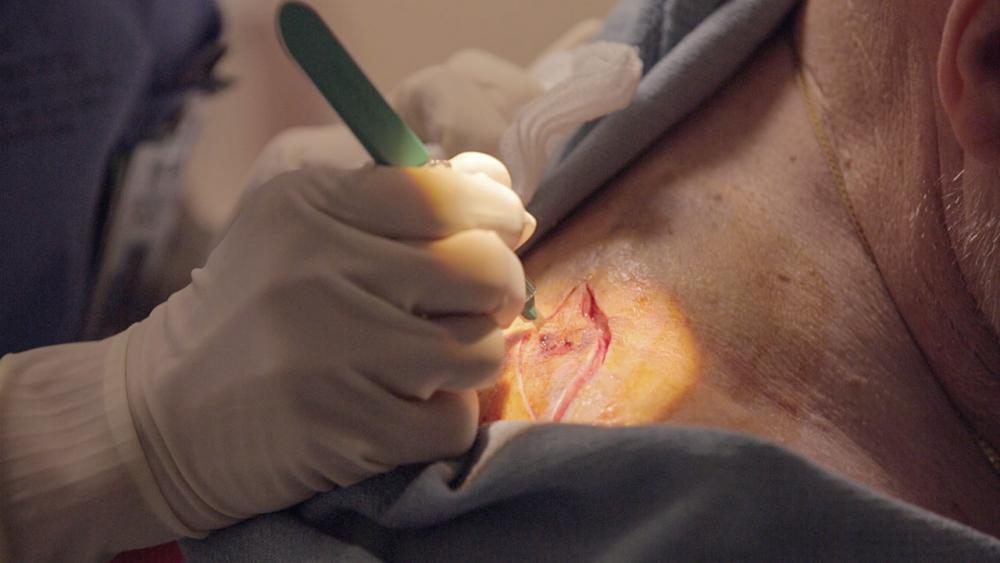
point(316, 49)
point(341, 81)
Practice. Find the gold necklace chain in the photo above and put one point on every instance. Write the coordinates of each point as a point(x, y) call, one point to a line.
point(833, 165)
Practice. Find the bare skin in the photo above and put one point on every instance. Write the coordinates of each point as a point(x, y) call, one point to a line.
point(734, 216)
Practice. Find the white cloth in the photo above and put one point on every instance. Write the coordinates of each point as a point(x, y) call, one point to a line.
point(462, 105)
point(601, 78)
point(466, 103)
point(476, 101)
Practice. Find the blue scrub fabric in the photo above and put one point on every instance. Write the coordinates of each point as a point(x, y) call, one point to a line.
point(572, 493)
point(689, 49)
point(80, 83)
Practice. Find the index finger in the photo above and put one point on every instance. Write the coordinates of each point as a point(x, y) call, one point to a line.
point(429, 202)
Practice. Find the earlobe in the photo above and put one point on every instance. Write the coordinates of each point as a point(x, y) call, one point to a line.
point(969, 76)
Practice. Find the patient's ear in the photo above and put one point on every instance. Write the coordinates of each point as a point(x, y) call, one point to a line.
point(969, 76)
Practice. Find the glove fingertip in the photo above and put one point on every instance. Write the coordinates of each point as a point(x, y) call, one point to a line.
point(530, 226)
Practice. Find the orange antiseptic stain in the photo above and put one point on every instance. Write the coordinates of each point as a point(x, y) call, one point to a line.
point(608, 355)
point(570, 348)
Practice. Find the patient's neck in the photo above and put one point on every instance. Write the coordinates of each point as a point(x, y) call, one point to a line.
point(735, 216)
point(923, 205)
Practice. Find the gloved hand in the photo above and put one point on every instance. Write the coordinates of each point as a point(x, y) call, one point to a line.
point(338, 330)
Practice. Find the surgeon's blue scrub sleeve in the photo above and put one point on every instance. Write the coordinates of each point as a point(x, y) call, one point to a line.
point(80, 83)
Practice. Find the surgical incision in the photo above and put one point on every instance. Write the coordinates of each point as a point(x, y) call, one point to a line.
point(624, 356)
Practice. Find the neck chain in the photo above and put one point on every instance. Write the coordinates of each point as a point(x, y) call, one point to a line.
point(833, 165)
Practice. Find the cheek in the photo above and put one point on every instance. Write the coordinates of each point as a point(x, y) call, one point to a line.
point(972, 212)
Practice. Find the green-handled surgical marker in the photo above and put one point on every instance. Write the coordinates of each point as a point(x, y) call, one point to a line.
point(380, 130)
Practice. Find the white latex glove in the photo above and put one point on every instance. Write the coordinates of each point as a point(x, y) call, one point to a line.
point(466, 103)
point(338, 330)
point(331, 146)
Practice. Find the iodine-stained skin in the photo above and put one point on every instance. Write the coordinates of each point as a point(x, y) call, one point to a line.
point(569, 350)
point(605, 354)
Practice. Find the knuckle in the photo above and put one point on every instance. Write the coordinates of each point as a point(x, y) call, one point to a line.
point(442, 426)
point(492, 353)
point(450, 425)
point(506, 276)
point(281, 151)
point(458, 427)
point(489, 246)
point(485, 266)
point(274, 197)
point(481, 360)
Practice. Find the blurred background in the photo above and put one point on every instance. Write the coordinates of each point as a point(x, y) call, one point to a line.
point(390, 39)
